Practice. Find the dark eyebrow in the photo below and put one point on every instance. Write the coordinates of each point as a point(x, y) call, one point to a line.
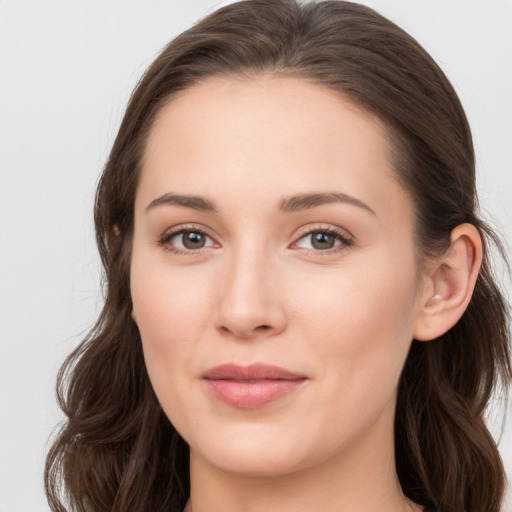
point(288, 205)
point(193, 202)
point(306, 201)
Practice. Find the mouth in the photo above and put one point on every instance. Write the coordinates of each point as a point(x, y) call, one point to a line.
point(251, 387)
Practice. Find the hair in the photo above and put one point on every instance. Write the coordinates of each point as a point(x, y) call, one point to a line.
point(117, 450)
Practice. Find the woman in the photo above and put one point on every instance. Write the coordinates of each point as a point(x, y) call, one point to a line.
point(300, 314)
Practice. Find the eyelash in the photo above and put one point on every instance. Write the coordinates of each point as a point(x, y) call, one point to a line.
point(164, 240)
point(345, 240)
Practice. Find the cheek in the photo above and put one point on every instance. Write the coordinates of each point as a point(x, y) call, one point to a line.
point(171, 308)
point(167, 310)
point(359, 321)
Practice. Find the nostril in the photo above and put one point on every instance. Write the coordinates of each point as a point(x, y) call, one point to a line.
point(259, 328)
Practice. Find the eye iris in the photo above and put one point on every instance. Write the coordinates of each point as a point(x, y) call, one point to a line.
point(193, 240)
point(321, 240)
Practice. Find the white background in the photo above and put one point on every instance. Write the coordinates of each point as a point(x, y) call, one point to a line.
point(66, 71)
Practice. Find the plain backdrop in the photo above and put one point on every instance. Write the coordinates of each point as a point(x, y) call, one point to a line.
point(66, 71)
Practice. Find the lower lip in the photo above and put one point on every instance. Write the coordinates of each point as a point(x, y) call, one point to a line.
point(251, 394)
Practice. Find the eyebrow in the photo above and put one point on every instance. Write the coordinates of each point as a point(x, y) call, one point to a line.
point(194, 202)
point(288, 205)
point(306, 201)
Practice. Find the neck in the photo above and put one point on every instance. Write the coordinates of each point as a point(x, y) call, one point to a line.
point(361, 478)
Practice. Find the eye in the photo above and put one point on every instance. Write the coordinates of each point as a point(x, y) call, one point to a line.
point(323, 240)
point(186, 240)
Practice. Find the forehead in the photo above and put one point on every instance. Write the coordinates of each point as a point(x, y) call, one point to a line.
point(267, 136)
point(272, 111)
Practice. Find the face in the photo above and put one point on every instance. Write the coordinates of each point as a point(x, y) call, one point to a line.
point(274, 278)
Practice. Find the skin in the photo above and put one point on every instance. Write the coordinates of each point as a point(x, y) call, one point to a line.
point(259, 291)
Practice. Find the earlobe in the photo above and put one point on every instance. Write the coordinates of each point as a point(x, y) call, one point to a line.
point(451, 281)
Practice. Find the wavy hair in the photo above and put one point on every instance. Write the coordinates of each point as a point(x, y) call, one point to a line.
point(117, 451)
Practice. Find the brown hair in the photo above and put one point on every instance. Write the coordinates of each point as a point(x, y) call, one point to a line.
point(117, 451)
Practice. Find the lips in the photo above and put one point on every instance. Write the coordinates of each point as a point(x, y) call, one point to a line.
point(251, 387)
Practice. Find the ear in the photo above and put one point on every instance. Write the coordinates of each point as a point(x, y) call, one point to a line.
point(449, 283)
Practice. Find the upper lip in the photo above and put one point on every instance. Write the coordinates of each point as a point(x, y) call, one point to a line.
point(253, 372)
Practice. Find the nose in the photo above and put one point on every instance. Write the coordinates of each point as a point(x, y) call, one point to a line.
point(250, 300)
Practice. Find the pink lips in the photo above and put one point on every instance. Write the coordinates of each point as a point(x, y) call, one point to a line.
point(250, 387)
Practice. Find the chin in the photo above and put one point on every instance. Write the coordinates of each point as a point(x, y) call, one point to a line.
point(251, 450)
point(251, 462)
